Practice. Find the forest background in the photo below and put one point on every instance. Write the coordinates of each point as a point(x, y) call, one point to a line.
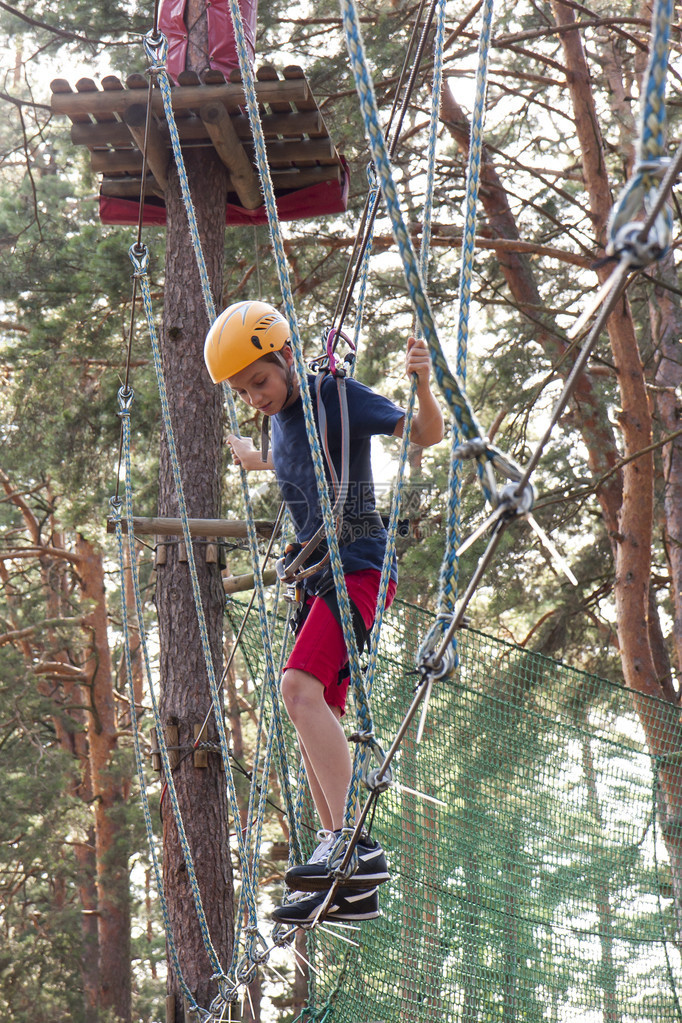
point(560, 134)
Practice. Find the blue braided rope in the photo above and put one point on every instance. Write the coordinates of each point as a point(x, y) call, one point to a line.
point(434, 123)
point(450, 386)
point(653, 115)
point(139, 759)
point(157, 50)
point(163, 751)
point(289, 311)
point(362, 751)
point(364, 271)
point(158, 58)
point(392, 530)
point(449, 572)
point(216, 695)
point(641, 190)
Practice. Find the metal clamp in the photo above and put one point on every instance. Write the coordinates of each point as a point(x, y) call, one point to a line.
point(116, 505)
point(139, 257)
point(156, 48)
point(513, 503)
point(432, 662)
point(627, 243)
point(125, 400)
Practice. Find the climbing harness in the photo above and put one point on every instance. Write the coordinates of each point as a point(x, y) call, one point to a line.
point(437, 658)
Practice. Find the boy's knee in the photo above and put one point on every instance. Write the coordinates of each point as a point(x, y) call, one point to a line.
point(300, 690)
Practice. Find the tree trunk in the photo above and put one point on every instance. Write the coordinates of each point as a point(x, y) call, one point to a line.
point(108, 785)
point(631, 530)
point(196, 410)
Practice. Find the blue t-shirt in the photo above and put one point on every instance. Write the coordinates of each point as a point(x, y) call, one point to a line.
point(369, 413)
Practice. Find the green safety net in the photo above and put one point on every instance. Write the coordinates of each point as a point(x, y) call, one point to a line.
point(539, 887)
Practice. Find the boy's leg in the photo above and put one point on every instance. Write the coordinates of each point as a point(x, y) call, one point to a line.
point(315, 696)
point(323, 743)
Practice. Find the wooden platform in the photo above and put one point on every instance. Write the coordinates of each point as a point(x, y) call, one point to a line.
point(209, 111)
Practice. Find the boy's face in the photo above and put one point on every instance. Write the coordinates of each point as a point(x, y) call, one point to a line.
point(263, 384)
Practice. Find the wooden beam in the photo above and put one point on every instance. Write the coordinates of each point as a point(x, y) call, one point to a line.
point(158, 154)
point(282, 180)
point(189, 97)
point(129, 188)
point(191, 129)
point(237, 583)
point(197, 527)
point(230, 150)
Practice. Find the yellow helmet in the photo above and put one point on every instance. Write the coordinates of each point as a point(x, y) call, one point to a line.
point(242, 333)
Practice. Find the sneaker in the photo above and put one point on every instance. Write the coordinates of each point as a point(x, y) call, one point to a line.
point(346, 907)
point(317, 874)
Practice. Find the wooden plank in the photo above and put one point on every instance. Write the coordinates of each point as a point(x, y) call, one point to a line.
point(294, 73)
point(130, 188)
point(137, 81)
point(187, 98)
point(118, 161)
point(238, 583)
point(230, 150)
point(268, 73)
point(86, 86)
point(294, 178)
point(306, 150)
point(276, 127)
point(283, 180)
point(110, 83)
point(212, 76)
point(158, 154)
point(197, 527)
point(60, 87)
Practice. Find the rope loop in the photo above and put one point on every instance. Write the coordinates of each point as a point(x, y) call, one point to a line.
point(227, 990)
point(246, 970)
point(125, 400)
point(377, 779)
point(139, 257)
point(430, 661)
point(629, 242)
point(283, 935)
point(116, 505)
point(625, 241)
point(156, 47)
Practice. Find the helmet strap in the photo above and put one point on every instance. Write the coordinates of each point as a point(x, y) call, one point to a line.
point(264, 438)
point(265, 422)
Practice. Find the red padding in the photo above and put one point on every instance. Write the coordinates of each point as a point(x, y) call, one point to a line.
point(222, 50)
point(314, 201)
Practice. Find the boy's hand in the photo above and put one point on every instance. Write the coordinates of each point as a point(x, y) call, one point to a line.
point(418, 360)
point(244, 452)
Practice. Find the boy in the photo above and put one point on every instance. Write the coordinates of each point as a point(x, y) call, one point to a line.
point(249, 346)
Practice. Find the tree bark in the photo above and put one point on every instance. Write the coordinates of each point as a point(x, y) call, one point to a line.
point(108, 785)
point(196, 410)
point(632, 530)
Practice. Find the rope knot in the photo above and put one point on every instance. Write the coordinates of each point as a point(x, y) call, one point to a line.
point(156, 48)
point(125, 400)
point(283, 934)
point(139, 257)
point(434, 661)
point(629, 237)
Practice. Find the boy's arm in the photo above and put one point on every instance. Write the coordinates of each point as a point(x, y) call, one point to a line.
point(245, 453)
point(427, 425)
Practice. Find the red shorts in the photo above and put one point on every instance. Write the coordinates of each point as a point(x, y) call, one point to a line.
point(320, 649)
